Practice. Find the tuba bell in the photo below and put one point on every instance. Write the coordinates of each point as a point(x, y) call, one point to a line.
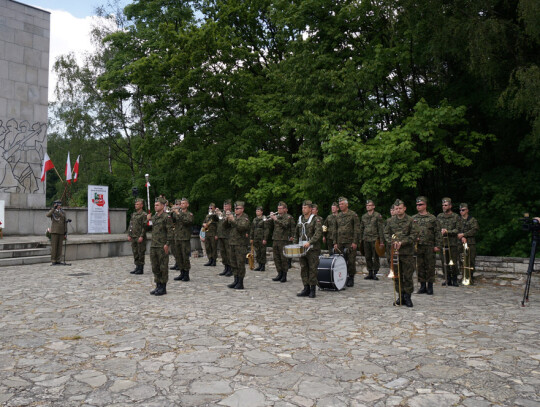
point(466, 268)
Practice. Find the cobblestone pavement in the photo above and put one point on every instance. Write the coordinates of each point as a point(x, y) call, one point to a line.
point(91, 335)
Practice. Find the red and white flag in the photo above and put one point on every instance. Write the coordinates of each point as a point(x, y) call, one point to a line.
point(68, 170)
point(76, 170)
point(47, 165)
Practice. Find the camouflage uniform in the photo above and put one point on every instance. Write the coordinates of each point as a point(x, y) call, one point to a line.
point(210, 241)
point(238, 242)
point(331, 225)
point(280, 239)
point(371, 228)
point(137, 229)
point(429, 237)
point(58, 232)
point(161, 235)
point(451, 222)
point(469, 228)
point(183, 222)
point(223, 230)
point(310, 262)
point(347, 233)
point(259, 232)
point(406, 232)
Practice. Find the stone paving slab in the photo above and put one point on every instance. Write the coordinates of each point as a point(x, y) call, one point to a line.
point(91, 335)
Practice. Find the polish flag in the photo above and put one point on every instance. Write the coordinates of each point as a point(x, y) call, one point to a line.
point(76, 170)
point(68, 170)
point(47, 165)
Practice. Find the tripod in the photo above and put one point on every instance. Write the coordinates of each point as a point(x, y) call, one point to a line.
point(535, 239)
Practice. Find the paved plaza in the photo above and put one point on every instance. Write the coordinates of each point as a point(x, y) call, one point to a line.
point(91, 335)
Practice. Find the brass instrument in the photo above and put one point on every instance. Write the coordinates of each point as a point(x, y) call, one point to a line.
point(466, 268)
point(251, 258)
point(395, 272)
point(205, 228)
point(446, 252)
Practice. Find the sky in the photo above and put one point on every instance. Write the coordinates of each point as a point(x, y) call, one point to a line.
point(71, 22)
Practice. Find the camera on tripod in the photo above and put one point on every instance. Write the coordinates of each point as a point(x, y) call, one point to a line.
point(530, 224)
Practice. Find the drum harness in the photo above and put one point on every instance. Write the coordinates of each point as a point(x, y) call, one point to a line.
point(304, 234)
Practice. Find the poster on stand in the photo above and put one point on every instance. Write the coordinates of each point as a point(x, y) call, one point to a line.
point(98, 209)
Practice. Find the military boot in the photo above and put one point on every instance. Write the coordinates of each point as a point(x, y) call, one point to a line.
point(278, 277)
point(284, 278)
point(369, 276)
point(429, 289)
point(153, 292)
point(240, 284)
point(224, 272)
point(312, 291)
point(351, 281)
point(229, 271)
point(399, 300)
point(375, 275)
point(180, 277)
point(162, 290)
point(304, 292)
point(258, 268)
point(407, 300)
point(289, 263)
point(213, 263)
point(233, 284)
point(132, 271)
point(140, 270)
point(209, 262)
point(454, 281)
point(262, 267)
point(422, 289)
point(448, 282)
point(186, 276)
point(175, 267)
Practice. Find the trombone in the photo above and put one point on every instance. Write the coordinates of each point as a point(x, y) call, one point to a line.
point(446, 255)
point(466, 268)
point(395, 268)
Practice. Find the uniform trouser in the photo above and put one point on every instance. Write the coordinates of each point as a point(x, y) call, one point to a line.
point(425, 259)
point(309, 267)
point(224, 250)
point(406, 270)
point(56, 247)
point(139, 250)
point(280, 260)
point(181, 254)
point(350, 258)
point(238, 260)
point(210, 243)
point(452, 271)
point(472, 256)
point(160, 265)
point(173, 251)
point(372, 258)
point(330, 244)
point(388, 253)
point(260, 252)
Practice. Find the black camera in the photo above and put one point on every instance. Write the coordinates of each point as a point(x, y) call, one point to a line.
point(530, 224)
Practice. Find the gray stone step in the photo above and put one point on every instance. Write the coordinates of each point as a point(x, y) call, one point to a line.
point(17, 261)
point(19, 245)
point(40, 251)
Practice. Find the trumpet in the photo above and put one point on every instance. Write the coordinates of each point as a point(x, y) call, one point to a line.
point(395, 272)
point(466, 268)
point(251, 258)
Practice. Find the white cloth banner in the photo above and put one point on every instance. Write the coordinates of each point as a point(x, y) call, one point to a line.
point(98, 209)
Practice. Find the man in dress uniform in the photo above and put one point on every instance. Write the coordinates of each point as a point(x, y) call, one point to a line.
point(329, 228)
point(347, 237)
point(137, 236)
point(58, 231)
point(210, 225)
point(223, 239)
point(183, 221)
point(309, 230)
point(238, 242)
point(371, 228)
point(162, 238)
point(450, 223)
point(467, 234)
point(402, 232)
point(280, 238)
point(428, 243)
point(258, 235)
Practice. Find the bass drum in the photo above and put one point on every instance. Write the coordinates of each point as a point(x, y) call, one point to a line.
point(332, 272)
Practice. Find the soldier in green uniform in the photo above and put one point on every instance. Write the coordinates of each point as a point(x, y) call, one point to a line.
point(137, 236)
point(347, 237)
point(292, 226)
point(223, 238)
point(309, 231)
point(371, 228)
point(402, 231)
point(329, 228)
point(387, 243)
point(280, 238)
point(428, 243)
point(58, 231)
point(162, 237)
point(450, 223)
point(258, 235)
point(467, 234)
point(238, 241)
point(315, 212)
point(172, 249)
point(183, 221)
point(210, 226)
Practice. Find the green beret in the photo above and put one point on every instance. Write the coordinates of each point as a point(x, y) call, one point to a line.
point(399, 202)
point(335, 204)
point(227, 202)
point(259, 208)
point(139, 200)
point(307, 202)
point(342, 199)
point(421, 199)
point(447, 200)
point(369, 201)
point(239, 204)
point(315, 206)
point(463, 205)
point(281, 203)
point(161, 200)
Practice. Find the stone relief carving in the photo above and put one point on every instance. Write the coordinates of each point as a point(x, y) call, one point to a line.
point(21, 156)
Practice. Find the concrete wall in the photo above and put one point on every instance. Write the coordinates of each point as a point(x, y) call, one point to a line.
point(24, 79)
point(34, 222)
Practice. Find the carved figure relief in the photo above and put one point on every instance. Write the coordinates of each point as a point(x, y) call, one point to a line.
point(21, 156)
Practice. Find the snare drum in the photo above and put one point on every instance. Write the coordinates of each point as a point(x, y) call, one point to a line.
point(295, 250)
point(332, 272)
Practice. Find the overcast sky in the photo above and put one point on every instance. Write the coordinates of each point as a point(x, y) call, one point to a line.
point(71, 21)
